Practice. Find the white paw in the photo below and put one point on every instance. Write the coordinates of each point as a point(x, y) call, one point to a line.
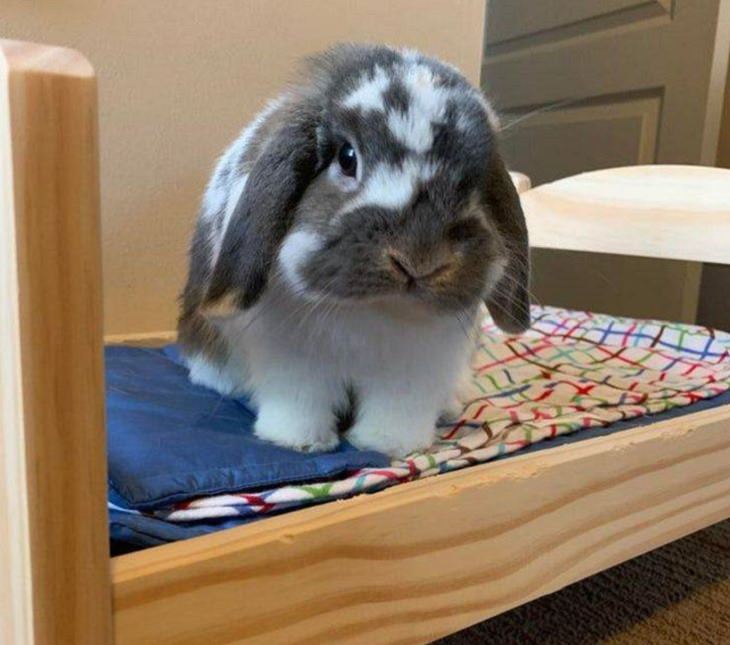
point(216, 377)
point(394, 438)
point(288, 428)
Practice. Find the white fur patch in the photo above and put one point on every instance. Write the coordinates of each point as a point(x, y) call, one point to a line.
point(232, 200)
point(213, 200)
point(391, 186)
point(368, 95)
point(495, 271)
point(419, 77)
point(410, 55)
point(217, 191)
point(427, 105)
point(217, 377)
point(297, 248)
point(297, 361)
point(404, 364)
point(412, 129)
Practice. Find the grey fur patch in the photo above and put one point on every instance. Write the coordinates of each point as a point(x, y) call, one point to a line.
point(396, 97)
point(347, 412)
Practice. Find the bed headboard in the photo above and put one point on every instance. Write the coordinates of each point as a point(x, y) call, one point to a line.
point(670, 212)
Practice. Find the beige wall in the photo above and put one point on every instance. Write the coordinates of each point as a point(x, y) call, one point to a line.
point(177, 80)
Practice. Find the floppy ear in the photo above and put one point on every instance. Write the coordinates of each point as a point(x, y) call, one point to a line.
point(509, 303)
point(284, 167)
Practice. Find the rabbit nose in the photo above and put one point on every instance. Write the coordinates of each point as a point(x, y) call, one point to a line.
point(413, 271)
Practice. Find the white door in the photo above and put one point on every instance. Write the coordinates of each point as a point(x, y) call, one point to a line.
point(620, 82)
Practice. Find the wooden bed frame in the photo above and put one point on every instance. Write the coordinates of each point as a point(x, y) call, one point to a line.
point(394, 567)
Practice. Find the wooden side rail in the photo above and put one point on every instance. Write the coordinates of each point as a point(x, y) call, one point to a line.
point(427, 558)
point(54, 551)
point(671, 212)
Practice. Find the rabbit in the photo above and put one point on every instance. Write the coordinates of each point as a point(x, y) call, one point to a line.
point(346, 243)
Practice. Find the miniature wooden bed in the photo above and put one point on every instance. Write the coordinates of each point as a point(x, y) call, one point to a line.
point(395, 567)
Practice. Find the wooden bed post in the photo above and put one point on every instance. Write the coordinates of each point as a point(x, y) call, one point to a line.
point(54, 560)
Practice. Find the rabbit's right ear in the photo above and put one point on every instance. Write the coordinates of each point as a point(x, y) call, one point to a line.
point(286, 161)
point(509, 302)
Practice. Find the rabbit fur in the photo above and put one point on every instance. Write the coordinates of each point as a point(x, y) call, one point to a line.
point(328, 289)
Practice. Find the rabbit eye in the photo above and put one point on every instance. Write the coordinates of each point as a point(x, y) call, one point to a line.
point(347, 158)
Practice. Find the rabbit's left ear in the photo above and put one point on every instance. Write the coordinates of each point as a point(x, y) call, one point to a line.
point(509, 302)
point(284, 168)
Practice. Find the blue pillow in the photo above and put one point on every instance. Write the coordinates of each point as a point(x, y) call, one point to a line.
point(170, 440)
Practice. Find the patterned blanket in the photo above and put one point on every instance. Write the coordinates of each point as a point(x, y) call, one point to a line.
point(571, 371)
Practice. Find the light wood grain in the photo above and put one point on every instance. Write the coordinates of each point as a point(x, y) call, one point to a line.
point(150, 339)
point(427, 558)
point(672, 212)
point(54, 566)
point(520, 180)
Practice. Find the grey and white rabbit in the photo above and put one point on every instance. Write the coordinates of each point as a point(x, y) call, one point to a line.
point(346, 242)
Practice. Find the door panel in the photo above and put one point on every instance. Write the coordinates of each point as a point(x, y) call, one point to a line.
point(555, 19)
point(614, 82)
point(565, 142)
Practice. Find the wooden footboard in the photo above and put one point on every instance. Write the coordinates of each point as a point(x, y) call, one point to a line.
point(427, 558)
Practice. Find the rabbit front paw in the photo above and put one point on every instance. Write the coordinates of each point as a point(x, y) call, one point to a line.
point(287, 427)
point(393, 437)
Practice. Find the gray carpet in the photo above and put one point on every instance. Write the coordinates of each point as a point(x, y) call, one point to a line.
point(678, 594)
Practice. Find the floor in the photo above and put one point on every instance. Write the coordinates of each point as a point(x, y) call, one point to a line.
point(679, 594)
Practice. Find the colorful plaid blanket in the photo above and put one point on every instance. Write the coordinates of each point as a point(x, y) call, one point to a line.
point(571, 371)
